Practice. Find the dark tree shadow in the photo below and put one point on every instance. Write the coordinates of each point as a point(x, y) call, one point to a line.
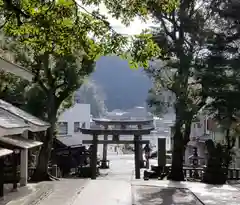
point(164, 196)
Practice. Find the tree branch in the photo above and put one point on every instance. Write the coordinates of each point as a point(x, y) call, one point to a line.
point(98, 17)
point(63, 95)
point(6, 20)
point(36, 72)
point(45, 59)
point(166, 30)
point(10, 6)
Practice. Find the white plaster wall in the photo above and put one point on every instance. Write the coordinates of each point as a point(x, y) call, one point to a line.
point(196, 130)
point(77, 113)
point(218, 136)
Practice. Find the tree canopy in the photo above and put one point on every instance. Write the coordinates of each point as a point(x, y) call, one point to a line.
point(196, 43)
point(141, 47)
point(60, 47)
point(181, 34)
point(126, 10)
point(200, 46)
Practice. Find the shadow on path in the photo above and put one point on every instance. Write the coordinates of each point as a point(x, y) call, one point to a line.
point(148, 195)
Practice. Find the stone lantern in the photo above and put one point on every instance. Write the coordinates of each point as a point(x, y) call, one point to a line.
point(194, 158)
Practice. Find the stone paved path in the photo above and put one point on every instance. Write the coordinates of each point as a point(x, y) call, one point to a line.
point(62, 192)
point(114, 186)
point(105, 192)
point(208, 194)
point(121, 168)
point(153, 195)
point(65, 192)
point(170, 193)
point(118, 187)
point(31, 194)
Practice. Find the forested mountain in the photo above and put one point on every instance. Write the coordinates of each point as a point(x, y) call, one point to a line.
point(123, 87)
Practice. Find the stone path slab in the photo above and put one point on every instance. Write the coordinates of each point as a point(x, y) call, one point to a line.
point(120, 188)
point(105, 192)
point(216, 195)
point(65, 191)
point(29, 195)
point(208, 194)
point(121, 168)
point(153, 195)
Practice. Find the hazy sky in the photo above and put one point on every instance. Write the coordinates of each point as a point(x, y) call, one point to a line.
point(135, 27)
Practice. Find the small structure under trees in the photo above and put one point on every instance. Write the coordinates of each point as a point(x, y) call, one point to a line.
point(3, 153)
point(117, 128)
point(15, 122)
point(14, 126)
point(33, 124)
point(69, 154)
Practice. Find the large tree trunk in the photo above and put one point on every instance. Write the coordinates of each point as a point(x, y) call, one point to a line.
point(187, 131)
point(181, 138)
point(230, 144)
point(41, 172)
point(176, 173)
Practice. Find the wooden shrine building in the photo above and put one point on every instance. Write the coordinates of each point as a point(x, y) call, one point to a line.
point(118, 128)
point(3, 153)
point(14, 126)
point(14, 143)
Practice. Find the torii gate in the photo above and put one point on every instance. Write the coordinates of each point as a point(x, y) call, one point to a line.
point(116, 128)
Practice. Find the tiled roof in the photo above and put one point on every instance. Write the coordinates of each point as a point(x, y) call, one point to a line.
point(22, 114)
point(19, 142)
point(4, 152)
point(7, 121)
point(72, 140)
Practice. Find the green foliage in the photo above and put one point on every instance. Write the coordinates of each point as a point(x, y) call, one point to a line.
point(55, 43)
point(223, 75)
point(56, 28)
point(127, 10)
point(143, 49)
point(36, 102)
point(60, 43)
point(181, 54)
point(156, 104)
point(12, 89)
point(29, 20)
point(181, 34)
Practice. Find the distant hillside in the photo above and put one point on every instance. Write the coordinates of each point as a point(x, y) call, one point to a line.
point(123, 87)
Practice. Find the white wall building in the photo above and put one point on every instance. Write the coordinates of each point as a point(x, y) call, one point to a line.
point(199, 134)
point(72, 119)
